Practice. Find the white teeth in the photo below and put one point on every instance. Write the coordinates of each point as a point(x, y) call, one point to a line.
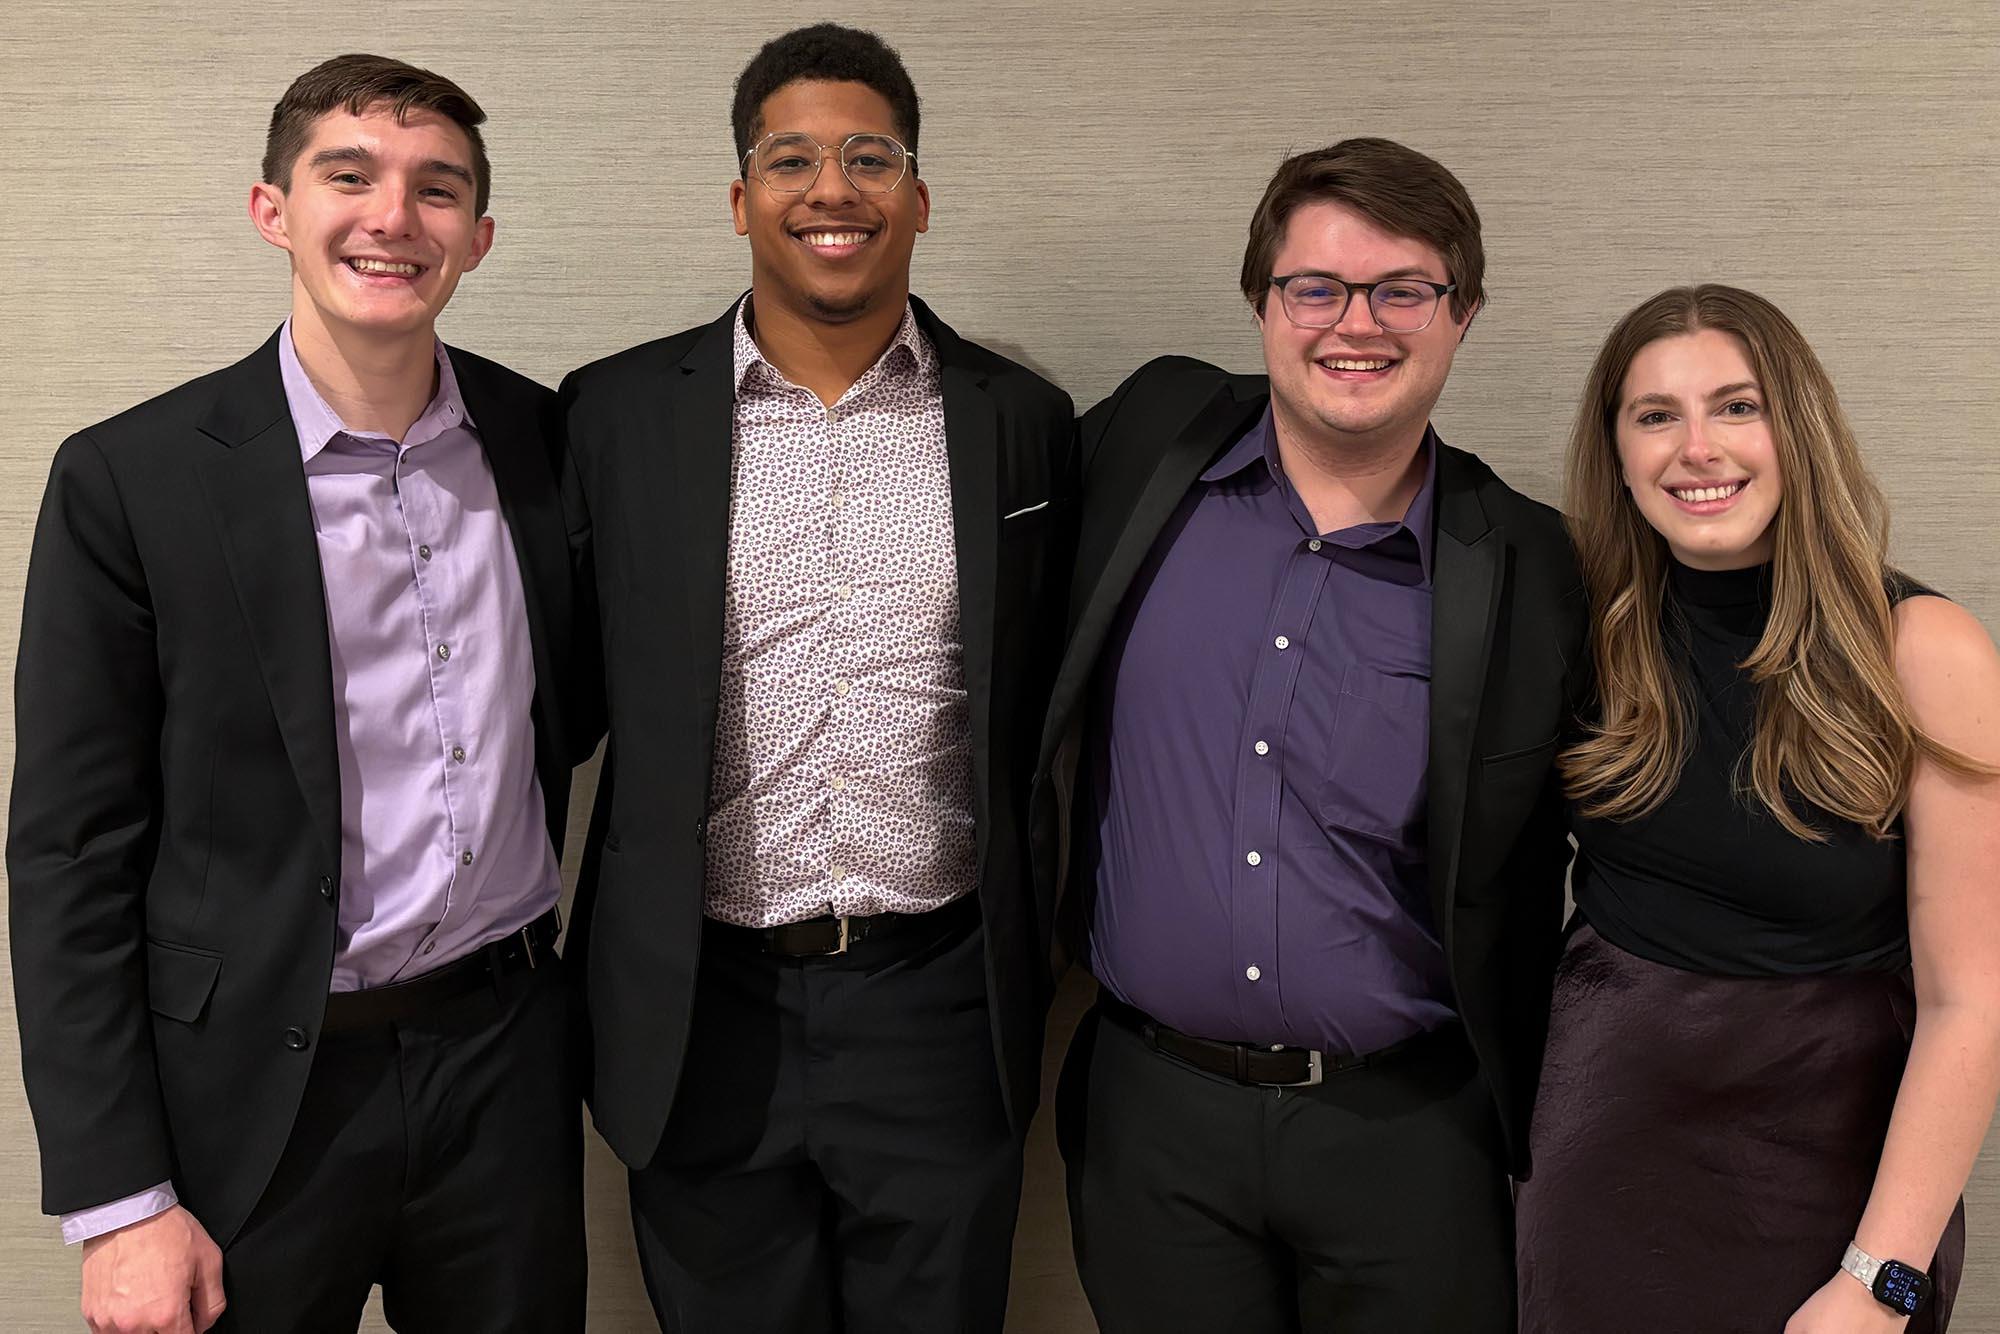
point(384, 266)
point(1694, 495)
point(831, 240)
point(1347, 364)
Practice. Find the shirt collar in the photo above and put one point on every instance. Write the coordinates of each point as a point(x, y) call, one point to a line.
point(909, 349)
point(317, 423)
point(1260, 444)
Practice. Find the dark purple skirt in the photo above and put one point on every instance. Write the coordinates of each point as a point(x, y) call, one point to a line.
point(1704, 1146)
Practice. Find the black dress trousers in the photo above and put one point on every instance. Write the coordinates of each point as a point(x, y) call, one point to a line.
point(838, 1156)
point(441, 1158)
point(1374, 1203)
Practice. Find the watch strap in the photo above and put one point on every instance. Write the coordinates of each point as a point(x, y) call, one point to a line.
point(1862, 1265)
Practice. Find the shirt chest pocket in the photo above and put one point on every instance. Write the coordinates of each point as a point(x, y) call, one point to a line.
point(1373, 781)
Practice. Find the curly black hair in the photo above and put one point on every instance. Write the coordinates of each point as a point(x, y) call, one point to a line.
point(830, 52)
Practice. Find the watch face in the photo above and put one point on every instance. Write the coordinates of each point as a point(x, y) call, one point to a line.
point(1900, 1287)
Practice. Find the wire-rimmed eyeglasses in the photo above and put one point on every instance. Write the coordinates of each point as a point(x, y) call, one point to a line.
point(1320, 300)
point(789, 163)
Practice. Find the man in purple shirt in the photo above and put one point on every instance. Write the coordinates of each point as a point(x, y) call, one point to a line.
point(1318, 664)
point(292, 775)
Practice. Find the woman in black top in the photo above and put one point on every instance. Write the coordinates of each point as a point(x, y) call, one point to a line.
point(1776, 1031)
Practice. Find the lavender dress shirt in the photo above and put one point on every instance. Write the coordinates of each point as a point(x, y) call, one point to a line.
point(1260, 721)
point(443, 845)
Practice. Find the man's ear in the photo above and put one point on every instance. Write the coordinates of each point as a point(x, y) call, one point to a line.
point(482, 242)
point(1467, 327)
point(738, 208)
point(267, 214)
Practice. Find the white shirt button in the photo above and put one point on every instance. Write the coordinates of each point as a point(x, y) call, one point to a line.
point(843, 592)
point(838, 784)
point(836, 500)
point(1313, 545)
point(1263, 748)
point(841, 687)
point(839, 873)
point(1255, 859)
point(1282, 642)
point(1253, 972)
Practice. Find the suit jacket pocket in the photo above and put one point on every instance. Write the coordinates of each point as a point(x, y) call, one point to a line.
point(1031, 518)
point(1374, 783)
point(1541, 750)
point(179, 979)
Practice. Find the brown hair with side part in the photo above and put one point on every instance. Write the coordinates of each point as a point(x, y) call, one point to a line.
point(356, 84)
point(1832, 726)
point(1398, 189)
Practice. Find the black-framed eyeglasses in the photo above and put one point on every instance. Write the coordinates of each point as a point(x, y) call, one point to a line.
point(789, 163)
point(1320, 300)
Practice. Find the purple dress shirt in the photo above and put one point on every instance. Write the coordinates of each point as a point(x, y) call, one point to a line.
point(443, 843)
point(1260, 722)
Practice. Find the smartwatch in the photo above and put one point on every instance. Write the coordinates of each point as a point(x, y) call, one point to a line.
point(1902, 1288)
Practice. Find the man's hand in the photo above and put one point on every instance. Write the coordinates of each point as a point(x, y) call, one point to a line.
point(161, 1275)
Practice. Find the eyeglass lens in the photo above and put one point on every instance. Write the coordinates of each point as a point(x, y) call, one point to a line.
point(1318, 303)
point(790, 163)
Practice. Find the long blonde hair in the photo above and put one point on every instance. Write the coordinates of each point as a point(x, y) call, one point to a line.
point(1832, 725)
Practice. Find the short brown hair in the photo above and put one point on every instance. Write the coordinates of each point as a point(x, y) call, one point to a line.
point(355, 83)
point(1396, 188)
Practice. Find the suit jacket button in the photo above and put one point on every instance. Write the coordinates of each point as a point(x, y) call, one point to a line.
point(295, 1038)
point(326, 887)
point(701, 830)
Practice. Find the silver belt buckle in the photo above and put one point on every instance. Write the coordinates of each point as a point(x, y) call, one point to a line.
point(528, 939)
point(1316, 1072)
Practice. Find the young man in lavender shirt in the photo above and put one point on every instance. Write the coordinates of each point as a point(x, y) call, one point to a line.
point(292, 773)
point(1318, 666)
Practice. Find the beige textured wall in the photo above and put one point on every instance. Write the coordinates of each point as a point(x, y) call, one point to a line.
point(1092, 167)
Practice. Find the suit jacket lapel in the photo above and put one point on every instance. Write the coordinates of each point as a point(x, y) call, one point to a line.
point(519, 458)
point(972, 449)
point(1097, 593)
point(1467, 577)
point(257, 487)
point(700, 426)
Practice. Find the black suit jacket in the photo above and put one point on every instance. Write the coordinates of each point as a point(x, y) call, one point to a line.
point(174, 850)
point(1507, 672)
point(650, 445)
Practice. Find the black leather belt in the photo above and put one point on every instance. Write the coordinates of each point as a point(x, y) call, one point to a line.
point(531, 947)
point(819, 936)
point(1246, 1063)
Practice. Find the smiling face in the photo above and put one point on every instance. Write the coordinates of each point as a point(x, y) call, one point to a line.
point(379, 219)
point(1356, 382)
point(1694, 444)
point(834, 253)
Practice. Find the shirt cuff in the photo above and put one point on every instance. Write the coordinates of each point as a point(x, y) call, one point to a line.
point(87, 1223)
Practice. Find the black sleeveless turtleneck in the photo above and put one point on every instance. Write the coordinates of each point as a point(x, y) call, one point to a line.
point(1708, 880)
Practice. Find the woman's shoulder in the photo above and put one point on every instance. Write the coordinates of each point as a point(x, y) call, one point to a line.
point(1941, 649)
